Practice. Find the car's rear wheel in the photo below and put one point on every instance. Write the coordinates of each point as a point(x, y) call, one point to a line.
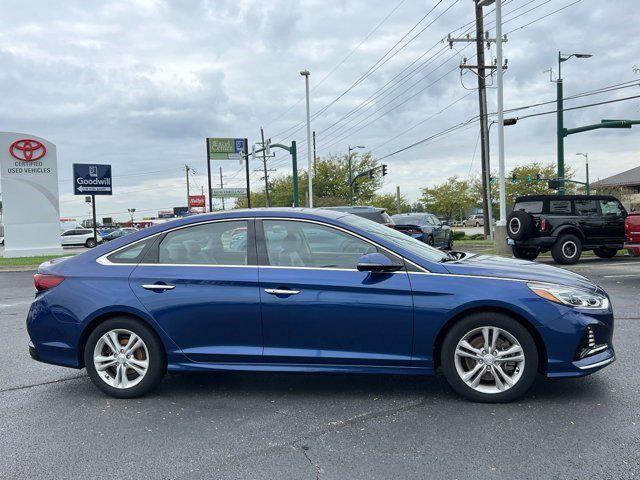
point(430, 241)
point(604, 252)
point(525, 253)
point(90, 243)
point(124, 358)
point(567, 249)
point(489, 357)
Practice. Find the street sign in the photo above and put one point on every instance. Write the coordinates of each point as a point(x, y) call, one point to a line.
point(196, 201)
point(180, 211)
point(228, 192)
point(225, 148)
point(91, 179)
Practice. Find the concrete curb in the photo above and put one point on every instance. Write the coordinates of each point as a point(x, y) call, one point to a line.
point(25, 268)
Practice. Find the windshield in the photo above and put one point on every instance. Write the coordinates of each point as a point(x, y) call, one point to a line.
point(397, 238)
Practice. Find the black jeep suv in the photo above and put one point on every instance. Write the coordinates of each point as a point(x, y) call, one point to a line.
point(566, 225)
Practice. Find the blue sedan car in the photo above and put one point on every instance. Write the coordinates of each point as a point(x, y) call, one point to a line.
point(315, 291)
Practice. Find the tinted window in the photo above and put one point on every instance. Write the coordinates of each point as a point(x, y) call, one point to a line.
point(529, 207)
point(409, 219)
point(302, 244)
point(218, 243)
point(586, 207)
point(560, 206)
point(611, 207)
point(434, 220)
point(379, 217)
point(131, 254)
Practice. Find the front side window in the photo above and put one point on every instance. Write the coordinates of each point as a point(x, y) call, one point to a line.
point(302, 244)
point(587, 208)
point(611, 207)
point(397, 238)
point(217, 243)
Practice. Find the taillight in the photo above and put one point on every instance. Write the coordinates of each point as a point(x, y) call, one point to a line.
point(44, 282)
point(544, 224)
point(627, 231)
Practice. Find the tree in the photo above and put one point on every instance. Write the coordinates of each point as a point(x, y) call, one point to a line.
point(330, 184)
point(388, 202)
point(525, 183)
point(449, 199)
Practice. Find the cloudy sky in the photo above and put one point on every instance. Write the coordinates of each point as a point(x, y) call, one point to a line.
point(139, 84)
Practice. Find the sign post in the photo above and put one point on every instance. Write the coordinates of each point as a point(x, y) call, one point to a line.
point(92, 179)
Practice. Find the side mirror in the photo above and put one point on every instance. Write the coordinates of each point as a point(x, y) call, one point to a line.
point(377, 262)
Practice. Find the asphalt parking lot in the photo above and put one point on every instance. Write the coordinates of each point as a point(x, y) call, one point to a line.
point(55, 424)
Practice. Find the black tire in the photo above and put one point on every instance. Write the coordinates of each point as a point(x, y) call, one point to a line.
point(430, 241)
point(450, 244)
point(90, 243)
point(489, 319)
point(567, 249)
point(157, 359)
point(525, 253)
point(519, 225)
point(605, 252)
point(477, 224)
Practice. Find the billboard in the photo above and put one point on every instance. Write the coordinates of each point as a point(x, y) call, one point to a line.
point(228, 192)
point(196, 201)
point(225, 148)
point(29, 183)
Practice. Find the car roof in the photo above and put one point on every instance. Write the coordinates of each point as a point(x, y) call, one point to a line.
point(539, 198)
point(357, 208)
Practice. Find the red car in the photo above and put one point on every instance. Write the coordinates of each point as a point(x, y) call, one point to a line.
point(632, 231)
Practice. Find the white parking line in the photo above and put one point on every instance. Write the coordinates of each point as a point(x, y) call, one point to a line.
point(622, 276)
point(8, 305)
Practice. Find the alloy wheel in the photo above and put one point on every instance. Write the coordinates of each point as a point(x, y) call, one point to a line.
point(121, 358)
point(569, 249)
point(489, 360)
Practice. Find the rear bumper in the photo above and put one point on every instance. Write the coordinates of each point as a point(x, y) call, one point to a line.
point(533, 242)
point(633, 248)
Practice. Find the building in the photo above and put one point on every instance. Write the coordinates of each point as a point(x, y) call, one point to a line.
point(625, 186)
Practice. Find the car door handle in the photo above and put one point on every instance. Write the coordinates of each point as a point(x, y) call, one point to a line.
point(159, 287)
point(279, 291)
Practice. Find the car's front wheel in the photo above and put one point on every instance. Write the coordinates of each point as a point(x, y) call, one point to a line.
point(605, 252)
point(90, 243)
point(124, 357)
point(489, 357)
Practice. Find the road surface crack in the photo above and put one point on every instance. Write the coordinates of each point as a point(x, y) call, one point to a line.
point(305, 449)
point(23, 387)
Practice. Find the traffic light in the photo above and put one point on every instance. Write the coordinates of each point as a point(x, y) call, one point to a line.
point(554, 184)
point(538, 177)
point(528, 178)
point(514, 179)
point(384, 169)
point(370, 174)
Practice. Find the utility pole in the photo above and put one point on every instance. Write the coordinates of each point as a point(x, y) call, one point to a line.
point(186, 170)
point(314, 152)
point(221, 186)
point(586, 164)
point(501, 166)
point(480, 39)
point(266, 172)
point(398, 200)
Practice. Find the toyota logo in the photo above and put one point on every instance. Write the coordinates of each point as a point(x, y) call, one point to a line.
point(27, 150)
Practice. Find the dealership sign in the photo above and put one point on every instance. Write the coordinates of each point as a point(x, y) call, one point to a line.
point(29, 184)
point(91, 179)
point(225, 148)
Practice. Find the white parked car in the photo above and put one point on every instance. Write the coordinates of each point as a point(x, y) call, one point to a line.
point(79, 236)
point(474, 221)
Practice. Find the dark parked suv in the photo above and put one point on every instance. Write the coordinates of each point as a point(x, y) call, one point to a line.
point(566, 225)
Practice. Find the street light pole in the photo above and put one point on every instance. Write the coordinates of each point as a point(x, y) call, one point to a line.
point(586, 160)
point(351, 173)
point(305, 74)
point(560, 116)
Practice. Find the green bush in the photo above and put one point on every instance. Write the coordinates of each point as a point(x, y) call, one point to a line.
point(476, 236)
point(459, 235)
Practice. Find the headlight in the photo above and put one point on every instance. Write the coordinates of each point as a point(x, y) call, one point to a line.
point(571, 296)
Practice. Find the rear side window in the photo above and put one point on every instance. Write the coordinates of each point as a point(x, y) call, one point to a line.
point(560, 206)
point(586, 208)
point(529, 207)
point(131, 254)
point(218, 243)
